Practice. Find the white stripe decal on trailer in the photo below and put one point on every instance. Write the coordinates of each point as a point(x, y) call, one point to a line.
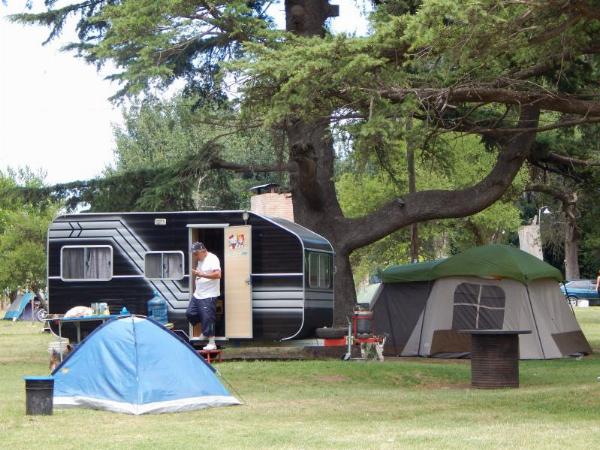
point(131, 246)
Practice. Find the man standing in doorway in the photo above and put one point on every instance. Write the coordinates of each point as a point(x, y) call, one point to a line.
point(202, 307)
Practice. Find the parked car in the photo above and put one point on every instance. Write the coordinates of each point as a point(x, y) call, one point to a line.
point(581, 289)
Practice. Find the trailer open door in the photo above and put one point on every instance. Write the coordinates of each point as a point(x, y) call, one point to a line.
point(238, 285)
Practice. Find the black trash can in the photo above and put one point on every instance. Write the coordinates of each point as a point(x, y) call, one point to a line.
point(39, 393)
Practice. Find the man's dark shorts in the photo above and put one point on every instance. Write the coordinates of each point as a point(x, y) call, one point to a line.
point(203, 311)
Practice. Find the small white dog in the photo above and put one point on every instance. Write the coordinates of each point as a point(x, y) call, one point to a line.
point(372, 350)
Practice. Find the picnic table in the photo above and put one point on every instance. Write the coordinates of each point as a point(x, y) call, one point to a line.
point(77, 321)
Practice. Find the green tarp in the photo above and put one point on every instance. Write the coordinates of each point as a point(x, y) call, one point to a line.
point(488, 261)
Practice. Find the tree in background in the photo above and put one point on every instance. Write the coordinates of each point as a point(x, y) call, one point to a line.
point(493, 68)
point(23, 231)
point(179, 146)
point(565, 176)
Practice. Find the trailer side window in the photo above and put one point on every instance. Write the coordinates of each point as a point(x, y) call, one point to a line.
point(319, 270)
point(163, 265)
point(86, 263)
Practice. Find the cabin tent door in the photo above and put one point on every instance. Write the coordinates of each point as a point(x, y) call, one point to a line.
point(238, 285)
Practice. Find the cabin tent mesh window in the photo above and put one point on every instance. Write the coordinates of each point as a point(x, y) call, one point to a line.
point(86, 263)
point(478, 306)
point(319, 270)
point(163, 265)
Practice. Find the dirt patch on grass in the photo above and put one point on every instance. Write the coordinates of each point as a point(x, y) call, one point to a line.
point(427, 382)
point(332, 378)
point(422, 360)
point(436, 384)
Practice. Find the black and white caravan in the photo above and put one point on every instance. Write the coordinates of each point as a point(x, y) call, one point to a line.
point(277, 276)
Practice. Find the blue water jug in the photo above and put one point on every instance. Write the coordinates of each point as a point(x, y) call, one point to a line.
point(157, 308)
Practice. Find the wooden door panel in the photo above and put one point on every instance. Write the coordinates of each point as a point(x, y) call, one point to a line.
point(238, 287)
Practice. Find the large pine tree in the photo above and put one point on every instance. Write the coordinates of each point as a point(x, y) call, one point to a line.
point(504, 70)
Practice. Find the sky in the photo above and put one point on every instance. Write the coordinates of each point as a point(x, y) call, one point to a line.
point(55, 115)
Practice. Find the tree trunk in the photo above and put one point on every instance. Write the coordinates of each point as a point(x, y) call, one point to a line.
point(311, 151)
point(412, 188)
point(312, 185)
point(568, 200)
point(571, 241)
point(316, 205)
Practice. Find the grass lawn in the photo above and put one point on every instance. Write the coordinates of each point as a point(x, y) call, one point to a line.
point(407, 403)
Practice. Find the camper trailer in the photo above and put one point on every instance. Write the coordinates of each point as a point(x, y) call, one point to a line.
point(277, 276)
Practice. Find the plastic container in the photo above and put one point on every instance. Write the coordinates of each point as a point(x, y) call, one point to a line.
point(59, 347)
point(157, 309)
point(39, 392)
point(363, 322)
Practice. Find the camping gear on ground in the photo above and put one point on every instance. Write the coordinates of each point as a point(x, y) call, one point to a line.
point(134, 365)
point(157, 308)
point(421, 307)
point(58, 351)
point(38, 395)
point(59, 346)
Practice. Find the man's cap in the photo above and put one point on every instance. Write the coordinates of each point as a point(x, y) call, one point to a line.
point(198, 246)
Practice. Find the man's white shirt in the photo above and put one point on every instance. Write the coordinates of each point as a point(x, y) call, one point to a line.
point(206, 287)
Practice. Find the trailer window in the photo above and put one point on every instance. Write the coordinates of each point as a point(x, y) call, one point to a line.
point(163, 265)
point(319, 270)
point(86, 263)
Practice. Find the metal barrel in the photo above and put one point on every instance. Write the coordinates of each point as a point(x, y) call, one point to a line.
point(39, 392)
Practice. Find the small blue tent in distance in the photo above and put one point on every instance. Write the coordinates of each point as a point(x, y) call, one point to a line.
point(134, 365)
point(17, 308)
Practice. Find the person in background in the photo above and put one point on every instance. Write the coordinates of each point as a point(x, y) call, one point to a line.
point(598, 282)
point(207, 287)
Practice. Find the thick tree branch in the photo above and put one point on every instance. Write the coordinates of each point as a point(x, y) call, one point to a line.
point(563, 197)
point(218, 163)
point(543, 100)
point(561, 159)
point(440, 204)
point(543, 67)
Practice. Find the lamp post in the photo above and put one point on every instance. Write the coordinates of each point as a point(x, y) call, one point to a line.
point(543, 210)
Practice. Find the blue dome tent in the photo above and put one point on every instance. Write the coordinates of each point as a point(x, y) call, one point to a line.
point(133, 365)
point(21, 308)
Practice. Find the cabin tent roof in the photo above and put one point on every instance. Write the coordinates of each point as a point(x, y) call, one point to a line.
point(488, 261)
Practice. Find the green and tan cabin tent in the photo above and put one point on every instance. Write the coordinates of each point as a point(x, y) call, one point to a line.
point(421, 307)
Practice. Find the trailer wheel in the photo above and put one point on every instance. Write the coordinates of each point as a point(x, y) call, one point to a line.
point(332, 333)
point(40, 314)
